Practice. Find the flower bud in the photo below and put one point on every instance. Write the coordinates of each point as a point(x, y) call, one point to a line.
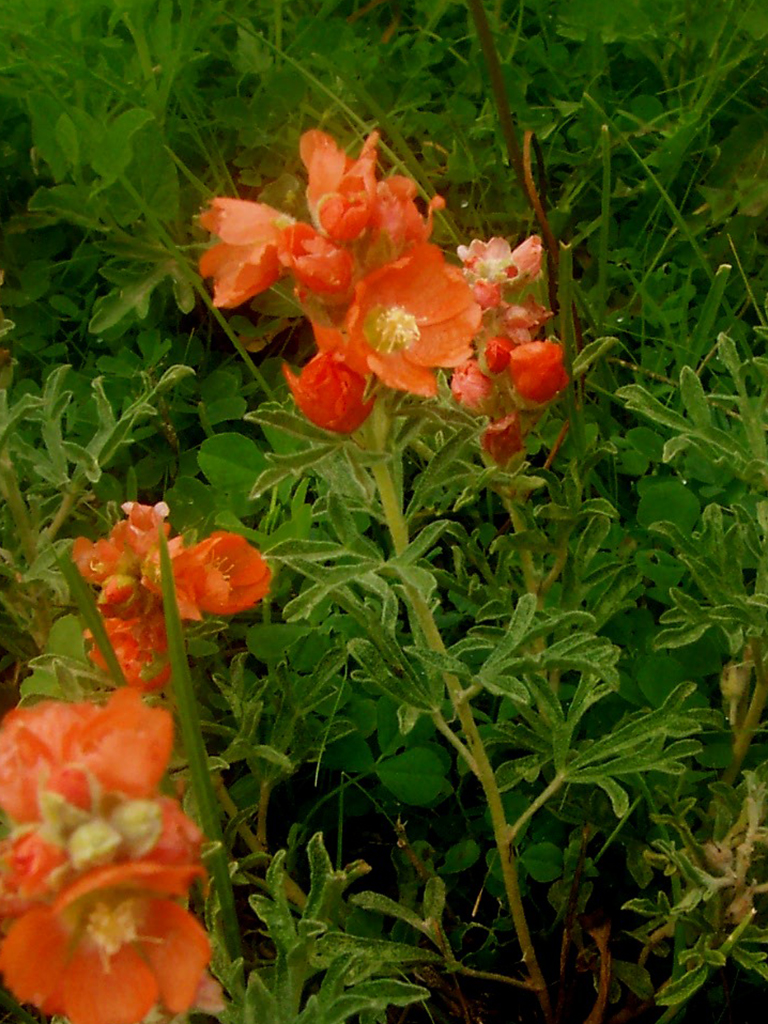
point(93, 844)
point(31, 862)
point(497, 351)
point(470, 386)
point(537, 370)
point(330, 394)
point(503, 438)
point(140, 823)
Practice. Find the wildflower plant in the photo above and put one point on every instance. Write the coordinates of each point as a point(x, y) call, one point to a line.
point(379, 504)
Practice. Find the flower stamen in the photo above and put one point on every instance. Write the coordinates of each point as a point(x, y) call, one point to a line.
point(391, 329)
point(112, 927)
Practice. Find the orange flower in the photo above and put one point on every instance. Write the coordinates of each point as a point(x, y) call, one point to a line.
point(140, 645)
point(222, 575)
point(54, 747)
point(33, 755)
point(395, 213)
point(110, 947)
point(341, 191)
point(537, 370)
point(315, 262)
point(30, 865)
point(245, 262)
point(126, 745)
point(410, 316)
point(120, 562)
point(330, 394)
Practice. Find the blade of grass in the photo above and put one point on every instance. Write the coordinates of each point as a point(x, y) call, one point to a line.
point(565, 291)
point(701, 331)
point(605, 225)
point(81, 594)
point(194, 747)
point(20, 1015)
point(674, 212)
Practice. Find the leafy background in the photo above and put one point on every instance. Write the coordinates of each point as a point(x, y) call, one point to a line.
point(118, 121)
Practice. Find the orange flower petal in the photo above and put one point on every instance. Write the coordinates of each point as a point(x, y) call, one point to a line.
point(122, 991)
point(32, 742)
point(180, 956)
point(397, 371)
point(448, 343)
point(324, 161)
point(36, 938)
point(241, 222)
point(170, 880)
point(239, 271)
point(127, 745)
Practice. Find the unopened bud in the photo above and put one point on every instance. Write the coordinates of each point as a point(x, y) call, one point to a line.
point(93, 844)
point(140, 823)
point(734, 680)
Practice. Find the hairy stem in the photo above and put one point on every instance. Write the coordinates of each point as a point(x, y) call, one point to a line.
point(480, 763)
point(9, 488)
point(745, 732)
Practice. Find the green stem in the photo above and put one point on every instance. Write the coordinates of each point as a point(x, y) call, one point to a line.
point(480, 763)
point(68, 502)
point(9, 488)
point(194, 747)
point(485, 36)
point(555, 786)
point(745, 733)
point(605, 226)
point(81, 594)
point(526, 560)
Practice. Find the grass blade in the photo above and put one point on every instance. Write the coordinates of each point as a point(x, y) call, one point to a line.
point(194, 747)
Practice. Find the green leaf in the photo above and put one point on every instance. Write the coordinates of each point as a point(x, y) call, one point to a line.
point(231, 462)
point(133, 294)
point(591, 353)
point(384, 905)
point(543, 861)
point(617, 794)
point(66, 136)
point(416, 776)
point(269, 642)
point(694, 399)
point(681, 990)
point(668, 500)
point(398, 681)
point(115, 149)
point(71, 203)
point(636, 978)
point(460, 856)
point(188, 711)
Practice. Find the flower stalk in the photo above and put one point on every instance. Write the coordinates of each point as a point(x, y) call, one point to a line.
point(745, 731)
point(478, 760)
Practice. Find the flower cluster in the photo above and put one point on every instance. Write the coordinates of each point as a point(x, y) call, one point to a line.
point(220, 575)
point(384, 304)
point(513, 373)
point(95, 863)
